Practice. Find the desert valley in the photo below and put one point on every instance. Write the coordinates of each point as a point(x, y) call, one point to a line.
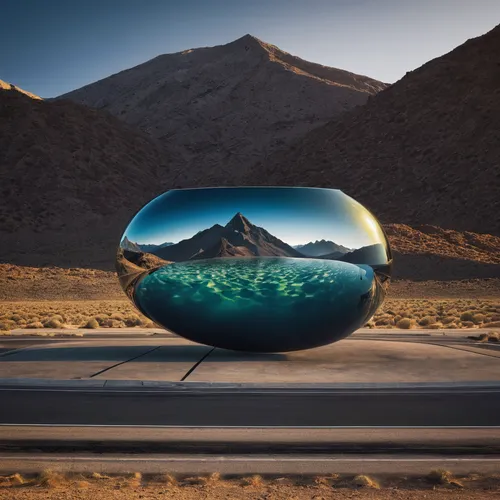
point(422, 154)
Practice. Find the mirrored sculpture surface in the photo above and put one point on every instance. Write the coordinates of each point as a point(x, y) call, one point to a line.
point(264, 269)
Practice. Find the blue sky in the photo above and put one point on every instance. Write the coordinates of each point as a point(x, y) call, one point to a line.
point(53, 46)
point(294, 215)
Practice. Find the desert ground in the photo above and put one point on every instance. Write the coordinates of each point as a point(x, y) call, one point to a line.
point(438, 484)
point(39, 298)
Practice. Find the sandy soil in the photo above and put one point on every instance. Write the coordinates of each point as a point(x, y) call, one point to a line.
point(255, 487)
point(407, 314)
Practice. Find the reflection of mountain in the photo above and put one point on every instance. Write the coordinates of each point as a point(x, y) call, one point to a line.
point(126, 244)
point(132, 246)
point(239, 237)
point(151, 247)
point(322, 247)
point(372, 255)
point(223, 249)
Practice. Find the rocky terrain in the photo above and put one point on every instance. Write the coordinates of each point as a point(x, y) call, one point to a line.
point(431, 253)
point(423, 151)
point(221, 109)
point(423, 154)
point(70, 179)
point(10, 86)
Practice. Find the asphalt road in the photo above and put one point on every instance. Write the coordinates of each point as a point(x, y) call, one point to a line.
point(282, 464)
point(424, 407)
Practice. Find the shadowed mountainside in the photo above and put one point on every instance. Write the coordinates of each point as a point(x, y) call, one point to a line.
point(70, 179)
point(425, 150)
point(222, 108)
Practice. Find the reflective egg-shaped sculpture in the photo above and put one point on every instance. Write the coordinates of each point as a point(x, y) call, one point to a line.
point(264, 269)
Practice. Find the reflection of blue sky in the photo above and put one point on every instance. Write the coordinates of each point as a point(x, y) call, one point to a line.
point(294, 215)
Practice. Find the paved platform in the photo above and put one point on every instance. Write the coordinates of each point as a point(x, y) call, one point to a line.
point(371, 356)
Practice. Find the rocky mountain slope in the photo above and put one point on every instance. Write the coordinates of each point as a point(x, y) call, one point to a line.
point(10, 86)
point(321, 247)
point(221, 109)
point(238, 238)
point(423, 151)
point(70, 179)
point(431, 253)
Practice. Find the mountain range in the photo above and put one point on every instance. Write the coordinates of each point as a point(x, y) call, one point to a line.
point(321, 247)
point(240, 238)
point(219, 109)
point(422, 154)
point(423, 151)
point(126, 244)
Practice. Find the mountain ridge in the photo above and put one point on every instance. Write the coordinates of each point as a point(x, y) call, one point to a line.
point(321, 247)
point(220, 108)
point(239, 237)
point(422, 151)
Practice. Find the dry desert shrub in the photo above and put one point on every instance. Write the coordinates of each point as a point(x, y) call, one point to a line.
point(427, 320)
point(92, 323)
point(51, 479)
point(494, 336)
point(6, 325)
point(404, 323)
point(255, 481)
point(365, 482)
point(443, 477)
point(397, 313)
point(13, 480)
point(35, 324)
point(448, 320)
point(467, 316)
point(168, 479)
point(97, 475)
point(478, 318)
point(53, 323)
point(135, 481)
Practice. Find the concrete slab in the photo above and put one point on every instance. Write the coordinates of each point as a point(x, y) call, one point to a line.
point(121, 359)
point(351, 361)
point(360, 360)
point(167, 363)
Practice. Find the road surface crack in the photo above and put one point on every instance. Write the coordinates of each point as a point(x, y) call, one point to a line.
point(123, 362)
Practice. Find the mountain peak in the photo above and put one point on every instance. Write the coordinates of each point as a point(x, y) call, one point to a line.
point(239, 223)
point(247, 40)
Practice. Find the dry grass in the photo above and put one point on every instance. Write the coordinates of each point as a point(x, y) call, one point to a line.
point(52, 479)
point(167, 479)
point(394, 313)
point(443, 477)
point(54, 485)
point(71, 314)
point(254, 481)
point(365, 482)
point(437, 313)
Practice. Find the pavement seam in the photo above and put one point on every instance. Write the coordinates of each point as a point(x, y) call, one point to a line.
point(465, 349)
point(123, 362)
point(193, 368)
